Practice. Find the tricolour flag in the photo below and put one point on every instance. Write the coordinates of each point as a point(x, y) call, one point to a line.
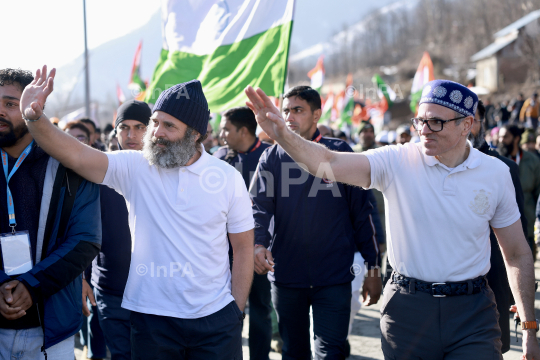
point(424, 74)
point(227, 45)
point(347, 106)
point(120, 95)
point(385, 92)
point(317, 74)
point(135, 81)
point(326, 115)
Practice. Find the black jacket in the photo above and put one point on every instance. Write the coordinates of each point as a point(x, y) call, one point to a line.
point(319, 224)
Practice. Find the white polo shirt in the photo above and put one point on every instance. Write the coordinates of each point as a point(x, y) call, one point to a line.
point(437, 218)
point(179, 219)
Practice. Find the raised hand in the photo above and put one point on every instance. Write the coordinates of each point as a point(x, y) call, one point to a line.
point(266, 113)
point(34, 95)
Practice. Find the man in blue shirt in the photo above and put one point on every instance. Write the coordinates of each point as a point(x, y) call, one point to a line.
point(318, 226)
point(243, 150)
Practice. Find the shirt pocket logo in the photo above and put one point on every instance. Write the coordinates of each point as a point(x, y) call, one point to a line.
point(480, 204)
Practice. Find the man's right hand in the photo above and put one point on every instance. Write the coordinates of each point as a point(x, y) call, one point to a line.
point(261, 265)
point(267, 114)
point(36, 93)
point(6, 299)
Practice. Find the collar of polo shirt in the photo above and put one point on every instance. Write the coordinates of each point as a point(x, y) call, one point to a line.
point(472, 161)
point(198, 166)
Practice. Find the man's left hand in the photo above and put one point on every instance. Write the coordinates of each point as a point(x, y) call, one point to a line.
point(21, 297)
point(371, 292)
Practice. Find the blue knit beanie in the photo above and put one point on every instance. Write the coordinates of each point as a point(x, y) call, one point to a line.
point(187, 103)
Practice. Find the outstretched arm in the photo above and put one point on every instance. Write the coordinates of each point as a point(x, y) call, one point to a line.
point(91, 164)
point(348, 168)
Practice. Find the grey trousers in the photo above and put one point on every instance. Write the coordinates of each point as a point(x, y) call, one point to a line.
point(419, 326)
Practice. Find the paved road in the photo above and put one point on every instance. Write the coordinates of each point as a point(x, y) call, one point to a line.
point(365, 338)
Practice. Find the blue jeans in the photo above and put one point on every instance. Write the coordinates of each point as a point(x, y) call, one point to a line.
point(115, 323)
point(331, 311)
point(26, 345)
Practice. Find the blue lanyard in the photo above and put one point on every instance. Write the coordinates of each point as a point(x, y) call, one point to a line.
point(11, 208)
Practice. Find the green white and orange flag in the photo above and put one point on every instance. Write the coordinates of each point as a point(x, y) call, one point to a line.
point(424, 74)
point(326, 115)
point(347, 107)
point(385, 92)
point(226, 45)
point(317, 74)
point(135, 81)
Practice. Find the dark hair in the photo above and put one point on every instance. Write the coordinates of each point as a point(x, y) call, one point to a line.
point(16, 76)
point(310, 95)
point(78, 125)
point(242, 117)
point(481, 109)
point(108, 128)
point(89, 121)
point(515, 130)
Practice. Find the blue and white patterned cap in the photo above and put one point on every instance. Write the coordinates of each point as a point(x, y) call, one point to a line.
point(451, 95)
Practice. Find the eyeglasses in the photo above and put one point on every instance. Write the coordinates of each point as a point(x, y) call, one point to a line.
point(434, 125)
point(81, 138)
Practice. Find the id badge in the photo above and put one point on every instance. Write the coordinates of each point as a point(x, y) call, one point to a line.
point(16, 252)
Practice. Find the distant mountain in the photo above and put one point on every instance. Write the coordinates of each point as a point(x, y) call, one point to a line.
point(316, 21)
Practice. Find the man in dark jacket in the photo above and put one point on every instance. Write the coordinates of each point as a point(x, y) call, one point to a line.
point(497, 278)
point(110, 268)
point(40, 306)
point(318, 226)
point(243, 150)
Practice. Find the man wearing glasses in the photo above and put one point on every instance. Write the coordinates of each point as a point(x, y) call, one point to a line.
point(442, 197)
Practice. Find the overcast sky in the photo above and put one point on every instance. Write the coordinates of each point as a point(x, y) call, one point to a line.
point(35, 32)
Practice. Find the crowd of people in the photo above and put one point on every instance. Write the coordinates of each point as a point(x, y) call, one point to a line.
point(151, 238)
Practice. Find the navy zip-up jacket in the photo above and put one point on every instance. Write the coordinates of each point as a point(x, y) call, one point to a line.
point(319, 224)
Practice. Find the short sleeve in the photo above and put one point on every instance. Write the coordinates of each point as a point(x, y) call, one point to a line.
point(382, 163)
point(240, 215)
point(122, 165)
point(506, 212)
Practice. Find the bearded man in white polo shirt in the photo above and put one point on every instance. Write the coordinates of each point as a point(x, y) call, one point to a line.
point(441, 197)
point(182, 204)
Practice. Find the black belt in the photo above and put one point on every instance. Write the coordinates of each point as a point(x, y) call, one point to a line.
point(467, 287)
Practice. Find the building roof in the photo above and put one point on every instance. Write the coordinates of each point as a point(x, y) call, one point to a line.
point(518, 24)
point(505, 36)
point(493, 48)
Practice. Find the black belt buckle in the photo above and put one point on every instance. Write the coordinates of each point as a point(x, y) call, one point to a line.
point(433, 289)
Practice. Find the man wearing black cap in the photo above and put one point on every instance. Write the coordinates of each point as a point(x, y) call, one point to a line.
point(182, 204)
point(111, 267)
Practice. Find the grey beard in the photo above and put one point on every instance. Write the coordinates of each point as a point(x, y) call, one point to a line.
point(479, 139)
point(174, 154)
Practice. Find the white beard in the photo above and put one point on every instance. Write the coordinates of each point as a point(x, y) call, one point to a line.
point(174, 154)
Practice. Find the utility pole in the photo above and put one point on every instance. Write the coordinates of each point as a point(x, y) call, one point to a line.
point(86, 73)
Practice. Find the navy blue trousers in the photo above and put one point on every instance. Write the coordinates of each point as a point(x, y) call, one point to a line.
point(217, 336)
point(260, 320)
point(331, 311)
point(115, 324)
